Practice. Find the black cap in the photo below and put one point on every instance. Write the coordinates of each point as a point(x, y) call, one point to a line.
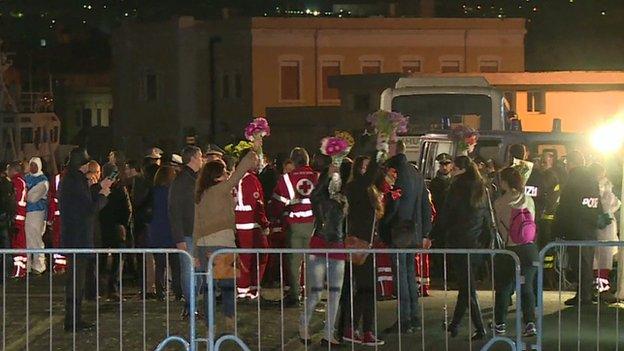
point(444, 158)
point(213, 149)
point(78, 157)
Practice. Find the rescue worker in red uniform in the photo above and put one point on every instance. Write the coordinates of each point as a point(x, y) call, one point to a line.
point(292, 197)
point(252, 229)
point(54, 221)
point(18, 241)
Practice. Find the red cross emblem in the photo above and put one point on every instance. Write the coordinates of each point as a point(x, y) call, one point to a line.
point(305, 187)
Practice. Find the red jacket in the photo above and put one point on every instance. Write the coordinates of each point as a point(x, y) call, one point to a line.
point(53, 207)
point(20, 196)
point(250, 212)
point(292, 195)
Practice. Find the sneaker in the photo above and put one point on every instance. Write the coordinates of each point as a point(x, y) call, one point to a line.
point(369, 339)
point(529, 330)
point(607, 297)
point(499, 329)
point(332, 343)
point(415, 324)
point(352, 337)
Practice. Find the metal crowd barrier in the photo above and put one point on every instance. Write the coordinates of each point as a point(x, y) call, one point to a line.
point(581, 326)
point(33, 307)
point(262, 324)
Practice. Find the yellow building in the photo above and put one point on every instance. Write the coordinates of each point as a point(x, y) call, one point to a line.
point(210, 77)
point(580, 99)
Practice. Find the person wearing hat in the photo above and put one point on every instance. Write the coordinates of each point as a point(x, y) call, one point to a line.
point(36, 210)
point(79, 208)
point(154, 156)
point(213, 153)
point(440, 184)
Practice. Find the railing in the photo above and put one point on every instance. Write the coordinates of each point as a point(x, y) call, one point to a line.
point(587, 322)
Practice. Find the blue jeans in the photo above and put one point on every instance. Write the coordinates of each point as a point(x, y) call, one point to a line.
point(185, 271)
point(319, 269)
point(226, 286)
point(407, 287)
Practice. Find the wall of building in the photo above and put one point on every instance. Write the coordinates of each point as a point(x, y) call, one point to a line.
point(578, 110)
point(391, 41)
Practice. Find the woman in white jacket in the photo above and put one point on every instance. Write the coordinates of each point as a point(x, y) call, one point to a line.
point(603, 256)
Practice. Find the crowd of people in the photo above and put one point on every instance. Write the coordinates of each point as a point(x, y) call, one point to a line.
point(204, 200)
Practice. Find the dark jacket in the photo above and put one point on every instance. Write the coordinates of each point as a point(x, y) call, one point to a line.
point(579, 207)
point(141, 201)
point(459, 224)
point(413, 205)
point(159, 229)
point(116, 213)
point(439, 187)
point(182, 204)
point(79, 209)
point(7, 203)
point(329, 214)
point(361, 205)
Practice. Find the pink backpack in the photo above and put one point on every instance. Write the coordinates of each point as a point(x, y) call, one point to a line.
point(522, 227)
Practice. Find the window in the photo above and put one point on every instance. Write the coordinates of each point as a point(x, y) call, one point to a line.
point(98, 114)
point(86, 118)
point(361, 102)
point(225, 86)
point(151, 87)
point(411, 66)
point(79, 118)
point(290, 84)
point(536, 101)
point(488, 66)
point(26, 135)
point(371, 67)
point(449, 66)
point(328, 69)
point(238, 86)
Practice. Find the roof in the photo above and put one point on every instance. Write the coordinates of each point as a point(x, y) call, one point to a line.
point(403, 23)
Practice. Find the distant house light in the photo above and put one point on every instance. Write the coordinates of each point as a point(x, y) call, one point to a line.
point(43, 43)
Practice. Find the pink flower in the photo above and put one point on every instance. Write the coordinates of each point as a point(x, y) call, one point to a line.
point(258, 128)
point(332, 146)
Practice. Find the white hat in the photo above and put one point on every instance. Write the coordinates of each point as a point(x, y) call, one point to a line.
point(177, 159)
point(154, 153)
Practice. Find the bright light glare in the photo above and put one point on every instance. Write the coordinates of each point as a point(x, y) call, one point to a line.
point(609, 137)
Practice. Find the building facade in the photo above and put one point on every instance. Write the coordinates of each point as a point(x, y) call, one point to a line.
point(210, 77)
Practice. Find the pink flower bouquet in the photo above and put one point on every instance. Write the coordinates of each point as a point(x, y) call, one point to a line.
point(466, 137)
point(335, 147)
point(258, 128)
point(387, 125)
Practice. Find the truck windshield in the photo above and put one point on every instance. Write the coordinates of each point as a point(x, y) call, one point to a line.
point(427, 110)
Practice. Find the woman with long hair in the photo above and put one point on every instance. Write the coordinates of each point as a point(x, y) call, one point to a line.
point(464, 222)
point(159, 233)
point(215, 222)
point(366, 209)
point(515, 216)
point(330, 206)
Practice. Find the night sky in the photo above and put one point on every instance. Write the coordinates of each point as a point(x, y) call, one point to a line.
point(562, 34)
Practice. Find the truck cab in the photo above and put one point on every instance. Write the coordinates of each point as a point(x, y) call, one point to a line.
point(460, 100)
point(493, 145)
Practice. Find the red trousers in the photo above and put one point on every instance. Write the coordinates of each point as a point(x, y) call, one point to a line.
point(252, 269)
point(18, 241)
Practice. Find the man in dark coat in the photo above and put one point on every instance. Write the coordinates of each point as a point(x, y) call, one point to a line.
point(79, 209)
point(440, 185)
point(577, 219)
point(7, 215)
point(411, 209)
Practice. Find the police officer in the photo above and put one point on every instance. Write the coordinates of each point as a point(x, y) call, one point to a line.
point(442, 181)
point(576, 219)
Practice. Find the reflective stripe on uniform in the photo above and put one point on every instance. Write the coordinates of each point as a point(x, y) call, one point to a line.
point(305, 201)
point(301, 214)
point(281, 199)
point(247, 226)
point(20, 218)
point(289, 186)
point(57, 213)
point(244, 208)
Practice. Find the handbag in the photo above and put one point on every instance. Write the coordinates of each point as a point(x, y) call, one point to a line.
point(354, 243)
point(495, 239)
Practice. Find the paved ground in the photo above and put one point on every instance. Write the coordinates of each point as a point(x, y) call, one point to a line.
point(45, 330)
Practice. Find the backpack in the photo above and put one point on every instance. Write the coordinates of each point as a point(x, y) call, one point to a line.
point(522, 227)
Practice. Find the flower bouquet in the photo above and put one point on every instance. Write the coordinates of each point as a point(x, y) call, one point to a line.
point(466, 137)
point(387, 125)
point(255, 131)
point(523, 167)
point(235, 151)
point(337, 147)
